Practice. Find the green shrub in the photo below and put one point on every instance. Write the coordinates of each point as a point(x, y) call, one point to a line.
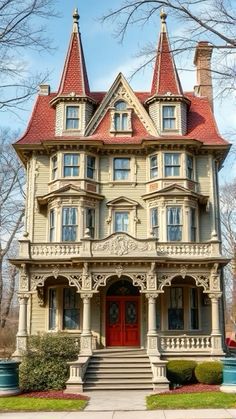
point(44, 367)
point(209, 372)
point(181, 371)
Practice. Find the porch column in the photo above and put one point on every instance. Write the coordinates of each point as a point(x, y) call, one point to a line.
point(216, 336)
point(86, 336)
point(152, 336)
point(21, 337)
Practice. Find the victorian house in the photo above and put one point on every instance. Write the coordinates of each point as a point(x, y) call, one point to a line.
point(121, 248)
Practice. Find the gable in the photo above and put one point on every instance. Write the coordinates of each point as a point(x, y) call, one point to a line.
point(122, 201)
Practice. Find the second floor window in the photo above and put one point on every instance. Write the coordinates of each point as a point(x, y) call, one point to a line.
point(69, 224)
point(154, 222)
point(172, 164)
point(168, 117)
point(72, 117)
point(121, 221)
point(71, 165)
point(90, 167)
point(189, 167)
point(90, 221)
point(121, 169)
point(174, 224)
point(153, 167)
point(193, 224)
point(52, 226)
point(54, 167)
point(121, 116)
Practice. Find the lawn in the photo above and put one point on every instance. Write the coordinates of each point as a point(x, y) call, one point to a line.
point(192, 401)
point(14, 403)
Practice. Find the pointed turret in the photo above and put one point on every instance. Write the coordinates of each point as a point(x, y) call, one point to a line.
point(165, 76)
point(74, 76)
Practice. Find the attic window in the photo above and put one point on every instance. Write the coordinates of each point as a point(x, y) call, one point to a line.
point(72, 117)
point(121, 117)
point(168, 118)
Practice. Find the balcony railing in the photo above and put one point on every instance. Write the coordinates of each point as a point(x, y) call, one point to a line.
point(173, 344)
point(118, 245)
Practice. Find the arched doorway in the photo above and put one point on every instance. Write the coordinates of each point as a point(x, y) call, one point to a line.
point(122, 314)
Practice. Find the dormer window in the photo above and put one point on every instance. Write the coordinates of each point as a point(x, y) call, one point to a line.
point(121, 118)
point(168, 117)
point(72, 117)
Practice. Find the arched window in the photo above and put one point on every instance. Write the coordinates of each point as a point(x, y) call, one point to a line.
point(121, 116)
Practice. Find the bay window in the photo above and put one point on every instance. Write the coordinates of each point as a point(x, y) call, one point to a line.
point(69, 224)
point(54, 167)
point(52, 227)
point(121, 221)
point(174, 224)
point(70, 165)
point(189, 167)
point(193, 224)
point(90, 221)
point(172, 164)
point(153, 166)
point(154, 222)
point(90, 170)
point(121, 168)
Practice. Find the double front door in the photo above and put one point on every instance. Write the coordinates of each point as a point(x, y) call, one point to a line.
point(122, 321)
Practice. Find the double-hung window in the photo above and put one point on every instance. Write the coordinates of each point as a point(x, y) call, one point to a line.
point(90, 167)
point(154, 222)
point(72, 117)
point(176, 309)
point(54, 167)
point(153, 166)
point(52, 225)
point(189, 167)
point(70, 309)
point(121, 116)
point(121, 169)
point(122, 221)
point(172, 164)
point(168, 117)
point(71, 165)
point(193, 224)
point(52, 308)
point(90, 221)
point(174, 224)
point(69, 224)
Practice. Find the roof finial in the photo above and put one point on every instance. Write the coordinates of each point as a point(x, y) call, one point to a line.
point(163, 16)
point(75, 20)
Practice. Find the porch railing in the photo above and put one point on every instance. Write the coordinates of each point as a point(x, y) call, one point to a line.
point(49, 250)
point(185, 344)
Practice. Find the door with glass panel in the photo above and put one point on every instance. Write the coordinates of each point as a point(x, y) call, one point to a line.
point(122, 321)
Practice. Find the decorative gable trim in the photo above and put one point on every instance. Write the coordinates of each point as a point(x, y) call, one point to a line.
point(121, 90)
point(122, 201)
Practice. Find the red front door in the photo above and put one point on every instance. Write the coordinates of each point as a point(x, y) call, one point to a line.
point(122, 321)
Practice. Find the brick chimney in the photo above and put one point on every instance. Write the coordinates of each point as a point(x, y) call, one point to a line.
point(202, 60)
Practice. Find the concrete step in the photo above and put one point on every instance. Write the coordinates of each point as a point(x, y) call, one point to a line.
point(127, 375)
point(111, 360)
point(90, 387)
point(113, 370)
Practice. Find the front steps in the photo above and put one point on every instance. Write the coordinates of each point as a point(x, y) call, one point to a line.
point(112, 369)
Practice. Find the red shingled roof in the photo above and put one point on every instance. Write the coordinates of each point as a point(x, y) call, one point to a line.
point(165, 76)
point(201, 124)
point(74, 76)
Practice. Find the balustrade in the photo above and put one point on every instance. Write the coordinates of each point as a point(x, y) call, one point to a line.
point(185, 343)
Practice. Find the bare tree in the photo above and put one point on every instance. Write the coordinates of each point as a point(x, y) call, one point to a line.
point(228, 222)
point(12, 181)
point(21, 29)
point(211, 20)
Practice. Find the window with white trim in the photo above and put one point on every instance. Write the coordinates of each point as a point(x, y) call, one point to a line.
point(71, 164)
point(176, 309)
point(194, 310)
point(168, 117)
point(193, 224)
point(189, 167)
point(72, 117)
point(70, 320)
point(121, 116)
point(90, 169)
point(52, 308)
point(54, 163)
point(121, 221)
point(172, 164)
point(174, 224)
point(69, 224)
point(154, 222)
point(121, 168)
point(52, 225)
point(153, 166)
point(90, 221)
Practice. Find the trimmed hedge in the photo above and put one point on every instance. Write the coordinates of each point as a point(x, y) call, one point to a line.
point(209, 372)
point(44, 367)
point(181, 371)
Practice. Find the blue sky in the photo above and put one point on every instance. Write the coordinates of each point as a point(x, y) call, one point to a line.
point(106, 56)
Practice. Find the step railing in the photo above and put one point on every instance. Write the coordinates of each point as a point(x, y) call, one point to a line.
point(185, 343)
